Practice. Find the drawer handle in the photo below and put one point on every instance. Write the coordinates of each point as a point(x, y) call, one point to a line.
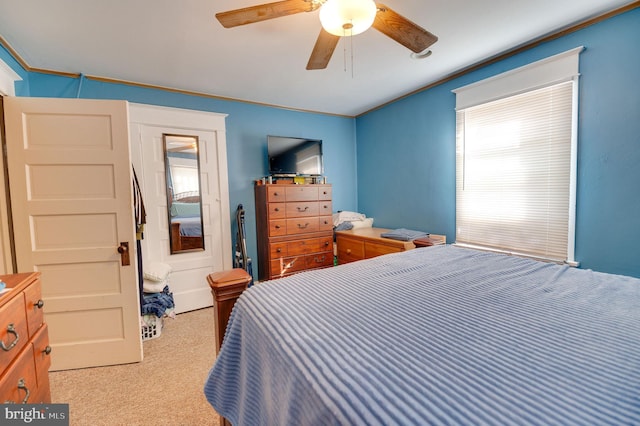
point(39, 304)
point(276, 209)
point(301, 226)
point(326, 243)
point(348, 251)
point(278, 250)
point(277, 226)
point(10, 329)
point(275, 194)
point(320, 260)
point(300, 209)
point(21, 385)
point(47, 350)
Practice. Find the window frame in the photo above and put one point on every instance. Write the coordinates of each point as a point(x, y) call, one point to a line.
point(560, 68)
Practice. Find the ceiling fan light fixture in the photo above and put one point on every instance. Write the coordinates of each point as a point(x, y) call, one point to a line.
point(347, 17)
point(422, 55)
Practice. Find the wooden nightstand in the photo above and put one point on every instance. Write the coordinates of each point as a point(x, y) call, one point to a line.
point(365, 243)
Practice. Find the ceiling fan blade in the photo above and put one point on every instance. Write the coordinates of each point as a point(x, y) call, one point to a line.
point(323, 50)
point(262, 12)
point(402, 30)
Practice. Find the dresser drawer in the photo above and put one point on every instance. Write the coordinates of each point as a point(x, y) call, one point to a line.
point(287, 265)
point(325, 223)
point(24, 365)
point(308, 246)
point(19, 384)
point(324, 192)
point(34, 305)
point(42, 355)
point(300, 247)
point(278, 250)
point(302, 209)
point(373, 249)
point(14, 333)
point(324, 209)
point(276, 194)
point(277, 210)
point(277, 228)
point(303, 225)
point(301, 193)
point(349, 250)
point(319, 260)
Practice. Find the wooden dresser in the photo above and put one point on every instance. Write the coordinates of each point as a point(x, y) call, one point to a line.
point(24, 348)
point(294, 227)
point(365, 243)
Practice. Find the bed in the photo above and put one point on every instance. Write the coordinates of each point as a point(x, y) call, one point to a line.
point(186, 221)
point(440, 335)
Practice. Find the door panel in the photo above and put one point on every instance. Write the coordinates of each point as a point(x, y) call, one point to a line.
point(71, 195)
point(190, 290)
point(188, 278)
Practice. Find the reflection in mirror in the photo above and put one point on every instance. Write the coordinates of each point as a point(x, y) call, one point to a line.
point(184, 207)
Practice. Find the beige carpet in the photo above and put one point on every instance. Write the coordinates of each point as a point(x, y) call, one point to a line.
point(164, 389)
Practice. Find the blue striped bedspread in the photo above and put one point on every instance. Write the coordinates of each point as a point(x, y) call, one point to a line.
point(433, 336)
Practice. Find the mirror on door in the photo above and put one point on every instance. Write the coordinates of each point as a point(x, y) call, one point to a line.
point(184, 206)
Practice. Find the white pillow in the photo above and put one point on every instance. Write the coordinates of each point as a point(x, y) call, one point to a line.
point(346, 216)
point(157, 271)
point(366, 223)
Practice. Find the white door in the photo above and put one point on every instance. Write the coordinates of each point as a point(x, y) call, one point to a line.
point(187, 281)
point(71, 200)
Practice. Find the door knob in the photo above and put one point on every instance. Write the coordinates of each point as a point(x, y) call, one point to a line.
point(123, 249)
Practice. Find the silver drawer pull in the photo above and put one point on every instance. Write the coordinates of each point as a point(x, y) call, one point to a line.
point(21, 385)
point(39, 304)
point(10, 329)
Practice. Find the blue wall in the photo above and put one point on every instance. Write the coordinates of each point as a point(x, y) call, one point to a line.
point(406, 150)
point(404, 171)
point(247, 128)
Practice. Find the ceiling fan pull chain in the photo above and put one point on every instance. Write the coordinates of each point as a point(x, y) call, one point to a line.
point(344, 50)
point(351, 42)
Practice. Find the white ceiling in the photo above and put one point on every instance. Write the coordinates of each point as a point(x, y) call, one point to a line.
point(180, 45)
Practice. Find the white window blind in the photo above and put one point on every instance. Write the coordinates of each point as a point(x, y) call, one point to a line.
point(515, 171)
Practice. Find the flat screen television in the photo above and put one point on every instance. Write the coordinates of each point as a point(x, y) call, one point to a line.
point(294, 156)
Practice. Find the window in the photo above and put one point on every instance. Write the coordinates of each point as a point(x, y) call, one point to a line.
point(516, 148)
point(184, 178)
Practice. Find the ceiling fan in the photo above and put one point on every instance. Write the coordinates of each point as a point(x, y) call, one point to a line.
point(339, 18)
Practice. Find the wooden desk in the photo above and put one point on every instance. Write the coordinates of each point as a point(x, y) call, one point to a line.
point(365, 243)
